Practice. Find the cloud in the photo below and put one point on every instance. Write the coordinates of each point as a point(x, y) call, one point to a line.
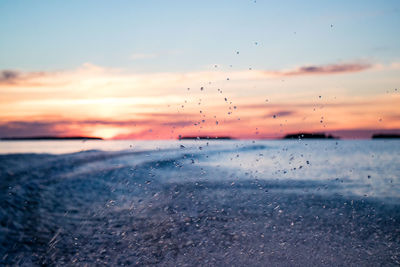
point(13, 77)
point(143, 56)
point(28, 128)
point(66, 127)
point(281, 113)
point(165, 115)
point(107, 102)
point(326, 69)
point(177, 123)
point(395, 66)
point(303, 105)
point(97, 76)
point(8, 76)
point(148, 121)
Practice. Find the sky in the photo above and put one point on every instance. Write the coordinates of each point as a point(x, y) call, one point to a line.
point(164, 69)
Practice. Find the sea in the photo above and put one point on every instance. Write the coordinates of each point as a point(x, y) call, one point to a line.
point(200, 203)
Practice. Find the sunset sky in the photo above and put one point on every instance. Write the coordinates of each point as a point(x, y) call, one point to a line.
point(160, 69)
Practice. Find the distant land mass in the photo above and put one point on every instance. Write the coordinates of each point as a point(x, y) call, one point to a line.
point(385, 136)
point(205, 138)
point(34, 138)
point(309, 136)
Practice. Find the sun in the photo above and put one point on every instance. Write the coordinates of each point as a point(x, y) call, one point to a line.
point(108, 133)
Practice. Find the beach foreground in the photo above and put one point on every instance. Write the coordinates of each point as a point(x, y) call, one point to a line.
point(199, 203)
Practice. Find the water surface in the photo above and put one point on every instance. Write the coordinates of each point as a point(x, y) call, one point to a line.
point(202, 202)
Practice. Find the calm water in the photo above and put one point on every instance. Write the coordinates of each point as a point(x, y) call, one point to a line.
point(172, 203)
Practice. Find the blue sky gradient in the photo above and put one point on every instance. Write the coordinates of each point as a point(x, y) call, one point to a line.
point(194, 35)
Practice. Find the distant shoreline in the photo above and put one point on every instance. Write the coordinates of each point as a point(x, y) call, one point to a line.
point(205, 138)
point(309, 136)
point(38, 138)
point(296, 136)
point(386, 136)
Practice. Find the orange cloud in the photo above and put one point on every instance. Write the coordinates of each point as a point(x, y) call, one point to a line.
point(96, 74)
point(114, 103)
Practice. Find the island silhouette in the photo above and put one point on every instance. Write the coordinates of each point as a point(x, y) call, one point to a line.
point(205, 138)
point(385, 136)
point(309, 136)
point(34, 138)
